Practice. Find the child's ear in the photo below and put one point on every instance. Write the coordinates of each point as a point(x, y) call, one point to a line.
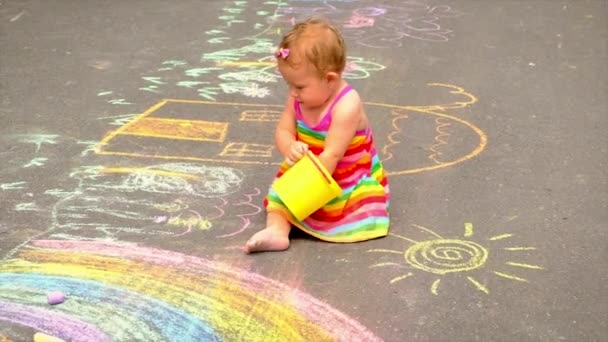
point(332, 76)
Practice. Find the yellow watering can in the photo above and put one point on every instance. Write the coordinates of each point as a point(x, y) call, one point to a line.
point(306, 187)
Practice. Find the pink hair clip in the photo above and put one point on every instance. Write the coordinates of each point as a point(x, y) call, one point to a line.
point(283, 53)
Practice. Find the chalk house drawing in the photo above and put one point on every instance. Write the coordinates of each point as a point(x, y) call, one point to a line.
point(224, 136)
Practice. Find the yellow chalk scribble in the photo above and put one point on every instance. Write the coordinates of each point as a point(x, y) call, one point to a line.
point(468, 229)
point(435, 286)
point(479, 286)
point(509, 276)
point(516, 264)
point(394, 280)
point(194, 222)
point(178, 129)
point(500, 237)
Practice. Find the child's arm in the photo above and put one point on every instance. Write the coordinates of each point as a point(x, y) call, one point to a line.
point(345, 120)
point(285, 135)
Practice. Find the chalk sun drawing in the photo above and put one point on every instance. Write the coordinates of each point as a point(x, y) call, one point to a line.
point(126, 292)
point(443, 256)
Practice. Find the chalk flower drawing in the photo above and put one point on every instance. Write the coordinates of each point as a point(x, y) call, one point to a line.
point(359, 68)
point(249, 76)
point(441, 256)
point(256, 91)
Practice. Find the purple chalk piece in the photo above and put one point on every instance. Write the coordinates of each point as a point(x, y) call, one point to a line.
point(56, 297)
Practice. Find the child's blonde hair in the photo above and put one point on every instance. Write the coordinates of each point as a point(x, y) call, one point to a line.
point(317, 42)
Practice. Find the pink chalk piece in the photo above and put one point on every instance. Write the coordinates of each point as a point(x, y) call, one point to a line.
point(160, 219)
point(41, 337)
point(56, 297)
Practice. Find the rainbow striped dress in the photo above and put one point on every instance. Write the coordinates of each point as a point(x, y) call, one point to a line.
point(361, 211)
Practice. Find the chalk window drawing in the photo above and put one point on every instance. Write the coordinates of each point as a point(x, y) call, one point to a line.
point(247, 150)
point(260, 115)
point(178, 129)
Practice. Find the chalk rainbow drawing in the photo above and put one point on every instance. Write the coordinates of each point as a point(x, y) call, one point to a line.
point(442, 256)
point(125, 292)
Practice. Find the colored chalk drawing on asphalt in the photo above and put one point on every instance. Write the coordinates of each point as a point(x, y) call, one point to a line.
point(224, 136)
point(442, 257)
point(126, 292)
point(233, 63)
point(171, 200)
point(245, 66)
point(388, 27)
point(38, 139)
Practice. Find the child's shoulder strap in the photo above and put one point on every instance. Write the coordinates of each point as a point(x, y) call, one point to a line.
point(340, 95)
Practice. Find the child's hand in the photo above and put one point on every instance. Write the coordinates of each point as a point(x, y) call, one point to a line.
point(297, 150)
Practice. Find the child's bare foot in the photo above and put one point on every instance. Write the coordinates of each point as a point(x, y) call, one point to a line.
point(267, 240)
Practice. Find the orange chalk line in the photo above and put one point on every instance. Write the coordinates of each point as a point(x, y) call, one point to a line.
point(439, 138)
point(111, 135)
point(392, 141)
point(433, 110)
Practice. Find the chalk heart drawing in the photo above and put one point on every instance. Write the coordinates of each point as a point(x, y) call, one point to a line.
point(170, 199)
point(441, 256)
point(127, 292)
point(425, 137)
